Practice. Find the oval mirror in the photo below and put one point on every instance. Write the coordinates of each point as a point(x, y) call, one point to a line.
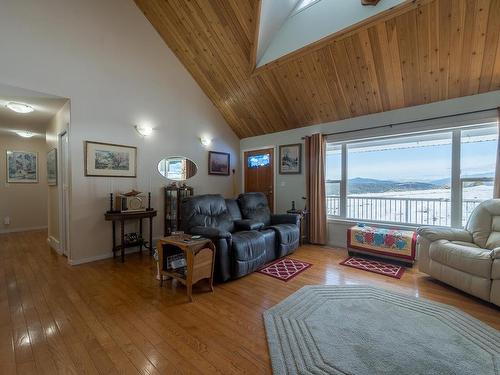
point(177, 168)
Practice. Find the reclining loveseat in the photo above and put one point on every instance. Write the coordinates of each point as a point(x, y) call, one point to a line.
point(245, 233)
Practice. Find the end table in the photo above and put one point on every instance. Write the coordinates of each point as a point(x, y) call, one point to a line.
point(200, 259)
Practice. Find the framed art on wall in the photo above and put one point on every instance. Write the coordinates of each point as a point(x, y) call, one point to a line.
point(219, 163)
point(290, 158)
point(52, 167)
point(22, 167)
point(110, 160)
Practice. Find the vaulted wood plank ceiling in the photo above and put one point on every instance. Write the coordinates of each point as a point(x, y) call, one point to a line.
point(424, 51)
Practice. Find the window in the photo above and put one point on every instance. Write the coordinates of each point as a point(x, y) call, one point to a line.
point(257, 161)
point(303, 4)
point(408, 179)
point(477, 162)
point(333, 179)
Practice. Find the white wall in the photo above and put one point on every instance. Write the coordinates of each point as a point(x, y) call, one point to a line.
point(117, 71)
point(293, 187)
point(24, 203)
point(272, 16)
point(58, 124)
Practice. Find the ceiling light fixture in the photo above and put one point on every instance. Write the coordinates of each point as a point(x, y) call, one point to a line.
point(20, 107)
point(25, 133)
point(144, 130)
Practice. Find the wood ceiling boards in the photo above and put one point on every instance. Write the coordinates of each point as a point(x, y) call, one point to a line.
point(420, 52)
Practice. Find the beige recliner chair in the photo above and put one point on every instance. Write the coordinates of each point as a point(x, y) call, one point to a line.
point(468, 259)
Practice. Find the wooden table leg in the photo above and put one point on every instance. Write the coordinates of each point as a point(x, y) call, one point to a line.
point(122, 236)
point(150, 235)
point(211, 279)
point(140, 235)
point(189, 275)
point(114, 238)
point(159, 249)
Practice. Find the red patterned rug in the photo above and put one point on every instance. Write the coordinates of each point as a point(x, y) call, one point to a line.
point(285, 269)
point(376, 266)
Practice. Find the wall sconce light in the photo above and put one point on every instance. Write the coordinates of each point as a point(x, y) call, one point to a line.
point(205, 141)
point(144, 130)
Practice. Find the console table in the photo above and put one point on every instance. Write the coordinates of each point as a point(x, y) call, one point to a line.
point(122, 217)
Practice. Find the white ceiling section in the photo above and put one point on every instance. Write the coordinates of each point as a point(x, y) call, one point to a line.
point(45, 108)
point(272, 16)
point(279, 35)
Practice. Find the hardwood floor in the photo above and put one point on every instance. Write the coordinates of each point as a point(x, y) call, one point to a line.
point(109, 318)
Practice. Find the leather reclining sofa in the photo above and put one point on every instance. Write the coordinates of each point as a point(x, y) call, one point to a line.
point(245, 233)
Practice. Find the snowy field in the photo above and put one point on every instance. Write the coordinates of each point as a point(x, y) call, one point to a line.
point(422, 207)
point(481, 192)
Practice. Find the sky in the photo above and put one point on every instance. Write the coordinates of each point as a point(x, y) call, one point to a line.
point(415, 164)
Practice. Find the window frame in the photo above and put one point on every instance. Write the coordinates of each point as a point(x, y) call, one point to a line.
point(457, 181)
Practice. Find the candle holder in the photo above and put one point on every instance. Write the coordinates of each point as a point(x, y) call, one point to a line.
point(111, 210)
point(149, 202)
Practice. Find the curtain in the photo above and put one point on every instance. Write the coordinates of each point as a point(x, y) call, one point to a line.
point(315, 180)
point(496, 190)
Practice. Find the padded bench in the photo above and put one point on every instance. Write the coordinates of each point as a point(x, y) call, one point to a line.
point(383, 242)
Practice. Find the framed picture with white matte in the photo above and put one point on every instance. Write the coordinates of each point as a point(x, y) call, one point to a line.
point(22, 167)
point(110, 160)
point(52, 167)
point(291, 159)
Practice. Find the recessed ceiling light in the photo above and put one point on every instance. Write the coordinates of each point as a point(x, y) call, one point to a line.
point(19, 107)
point(25, 133)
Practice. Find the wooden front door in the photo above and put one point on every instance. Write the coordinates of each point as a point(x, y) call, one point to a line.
point(259, 173)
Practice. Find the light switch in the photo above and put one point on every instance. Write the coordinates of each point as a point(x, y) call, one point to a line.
point(283, 183)
point(6, 220)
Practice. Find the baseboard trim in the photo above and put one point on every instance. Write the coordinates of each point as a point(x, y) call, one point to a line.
point(54, 244)
point(16, 230)
point(76, 262)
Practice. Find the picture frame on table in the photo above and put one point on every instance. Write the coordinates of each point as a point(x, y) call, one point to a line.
point(110, 160)
point(22, 167)
point(290, 159)
point(219, 163)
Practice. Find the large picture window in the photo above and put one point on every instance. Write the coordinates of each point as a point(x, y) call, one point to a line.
point(435, 178)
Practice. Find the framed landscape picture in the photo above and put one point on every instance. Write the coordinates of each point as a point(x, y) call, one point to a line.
point(110, 160)
point(52, 167)
point(290, 158)
point(219, 163)
point(22, 167)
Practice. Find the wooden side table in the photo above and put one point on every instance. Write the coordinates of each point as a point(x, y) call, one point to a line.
point(200, 259)
point(121, 217)
point(304, 229)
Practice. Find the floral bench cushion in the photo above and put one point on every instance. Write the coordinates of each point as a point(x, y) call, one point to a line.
point(390, 242)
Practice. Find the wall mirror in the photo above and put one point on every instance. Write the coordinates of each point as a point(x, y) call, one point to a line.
point(177, 168)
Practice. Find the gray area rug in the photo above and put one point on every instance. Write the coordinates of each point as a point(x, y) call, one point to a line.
point(364, 330)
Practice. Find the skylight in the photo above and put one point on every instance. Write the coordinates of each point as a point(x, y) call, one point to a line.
point(303, 4)
point(288, 25)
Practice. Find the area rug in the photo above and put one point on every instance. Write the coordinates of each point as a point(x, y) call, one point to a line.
point(361, 330)
point(375, 266)
point(285, 269)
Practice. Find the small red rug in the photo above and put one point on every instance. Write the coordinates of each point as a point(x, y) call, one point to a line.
point(376, 266)
point(285, 269)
